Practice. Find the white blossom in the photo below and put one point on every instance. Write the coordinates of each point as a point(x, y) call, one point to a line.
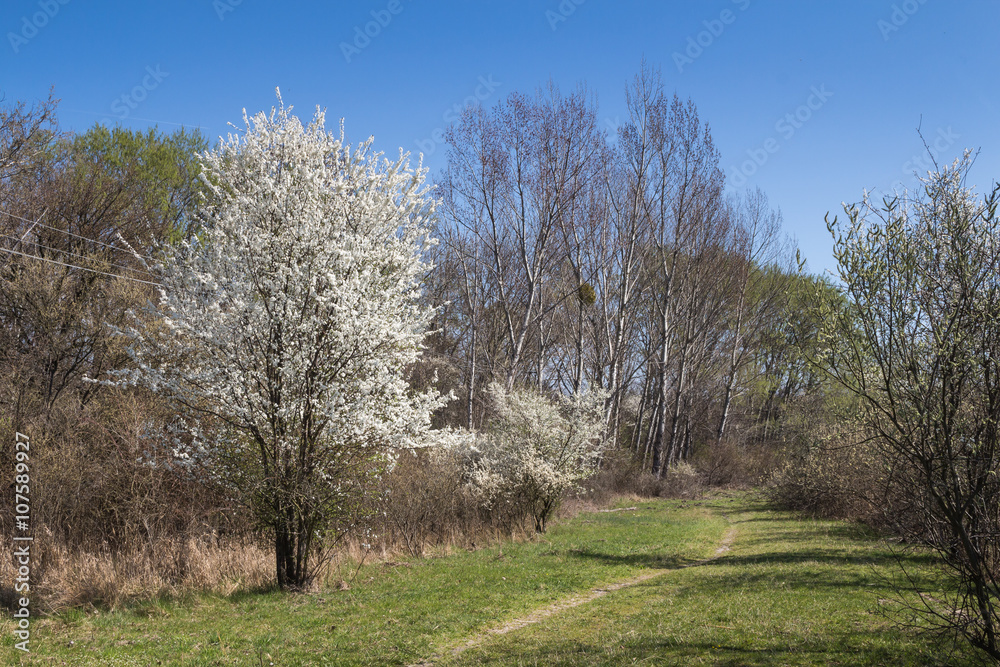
point(292, 316)
point(536, 448)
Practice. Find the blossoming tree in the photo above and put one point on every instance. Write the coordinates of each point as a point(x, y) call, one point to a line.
point(290, 320)
point(536, 449)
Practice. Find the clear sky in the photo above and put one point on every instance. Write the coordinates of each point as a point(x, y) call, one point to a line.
point(811, 101)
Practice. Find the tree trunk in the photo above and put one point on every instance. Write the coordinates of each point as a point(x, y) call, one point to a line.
point(472, 376)
point(291, 551)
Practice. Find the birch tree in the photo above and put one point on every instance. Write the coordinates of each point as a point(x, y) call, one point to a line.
point(515, 184)
point(760, 274)
point(682, 202)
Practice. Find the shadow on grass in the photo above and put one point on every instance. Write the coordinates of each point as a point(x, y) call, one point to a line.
point(257, 592)
point(643, 560)
point(149, 607)
point(818, 569)
point(809, 567)
point(848, 648)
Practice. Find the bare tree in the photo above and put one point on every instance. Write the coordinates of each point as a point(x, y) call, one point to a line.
point(614, 265)
point(515, 185)
point(681, 200)
point(762, 257)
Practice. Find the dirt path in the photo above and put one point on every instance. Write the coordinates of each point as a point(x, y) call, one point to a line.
point(570, 602)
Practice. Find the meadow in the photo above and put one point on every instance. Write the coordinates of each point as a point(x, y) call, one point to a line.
point(718, 581)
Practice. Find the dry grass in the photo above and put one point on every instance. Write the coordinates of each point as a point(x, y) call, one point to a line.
point(64, 578)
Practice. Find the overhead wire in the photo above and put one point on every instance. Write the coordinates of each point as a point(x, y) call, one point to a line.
point(38, 223)
point(82, 268)
point(76, 254)
point(84, 238)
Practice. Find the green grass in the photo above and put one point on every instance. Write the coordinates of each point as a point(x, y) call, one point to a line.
point(392, 614)
point(790, 591)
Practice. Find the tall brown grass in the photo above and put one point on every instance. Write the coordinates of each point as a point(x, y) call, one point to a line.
point(62, 578)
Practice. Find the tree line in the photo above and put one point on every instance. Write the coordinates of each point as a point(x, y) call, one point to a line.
point(570, 259)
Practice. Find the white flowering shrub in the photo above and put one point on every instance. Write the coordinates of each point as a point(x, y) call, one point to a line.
point(536, 449)
point(291, 318)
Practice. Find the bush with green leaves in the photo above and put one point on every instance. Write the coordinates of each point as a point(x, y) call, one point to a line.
point(917, 342)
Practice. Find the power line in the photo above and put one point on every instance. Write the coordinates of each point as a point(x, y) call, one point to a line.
point(82, 268)
point(76, 254)
point(84, 238)
point(28, 231)
point(128, 250)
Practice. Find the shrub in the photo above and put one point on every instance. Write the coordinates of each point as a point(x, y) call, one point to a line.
point(536, 450)
point(916, 339)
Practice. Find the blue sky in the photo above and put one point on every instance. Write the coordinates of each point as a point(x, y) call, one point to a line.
point(810, 101)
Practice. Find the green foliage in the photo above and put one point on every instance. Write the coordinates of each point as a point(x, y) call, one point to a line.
point(917, 340)
point(164, 164)
point(101, 199)
point(789, 343)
